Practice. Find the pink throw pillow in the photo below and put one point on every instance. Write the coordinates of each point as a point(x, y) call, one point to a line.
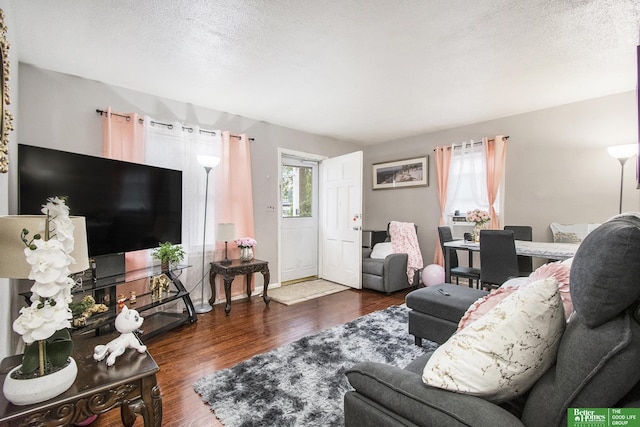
point(558, 270)
point(561, 273)
point(483, 305)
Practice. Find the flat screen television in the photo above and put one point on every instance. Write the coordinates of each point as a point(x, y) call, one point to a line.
point(128, 206)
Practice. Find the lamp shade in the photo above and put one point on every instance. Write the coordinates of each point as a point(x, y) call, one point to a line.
point(13, 262)
point(226, 232)
point(622, 151)
point(208, 161)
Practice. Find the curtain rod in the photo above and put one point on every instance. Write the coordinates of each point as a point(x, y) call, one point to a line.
point(474, 143)
point(168, 125)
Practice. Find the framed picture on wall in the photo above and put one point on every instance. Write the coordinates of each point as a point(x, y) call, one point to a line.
point(401, 173)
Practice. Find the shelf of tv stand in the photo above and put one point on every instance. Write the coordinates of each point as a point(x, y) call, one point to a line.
point(154, 323)
point(90, 283)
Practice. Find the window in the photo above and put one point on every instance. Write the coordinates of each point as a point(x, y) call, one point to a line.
point(297, 191)
point(467, 186)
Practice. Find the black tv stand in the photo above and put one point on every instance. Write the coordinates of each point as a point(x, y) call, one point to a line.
point(106, 290)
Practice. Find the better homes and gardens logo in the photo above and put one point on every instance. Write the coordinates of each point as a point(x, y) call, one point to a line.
point(603, 417)
point(581, 417)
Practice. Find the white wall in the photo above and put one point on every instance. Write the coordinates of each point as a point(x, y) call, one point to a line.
point(557, 170)
point(7, 288)
point(557, 165)
point(59, 111)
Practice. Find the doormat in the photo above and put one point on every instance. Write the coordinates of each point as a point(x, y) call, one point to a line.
point(305, 291)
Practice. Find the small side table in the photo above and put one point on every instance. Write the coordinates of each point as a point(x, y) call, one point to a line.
point(231, 270)
point(129, 384)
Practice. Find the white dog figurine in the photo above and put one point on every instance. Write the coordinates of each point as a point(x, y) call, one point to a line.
point(126, 322)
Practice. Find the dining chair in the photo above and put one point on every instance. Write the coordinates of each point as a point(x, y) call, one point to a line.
point(523, 232)
point(498, 259)
point(469, 273)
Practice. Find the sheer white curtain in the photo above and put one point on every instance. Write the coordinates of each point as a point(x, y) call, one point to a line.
point(467, 189)
point(176, 147)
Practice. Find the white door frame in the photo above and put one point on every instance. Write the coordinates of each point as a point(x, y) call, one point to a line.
point(284, 152)
point(300, 233)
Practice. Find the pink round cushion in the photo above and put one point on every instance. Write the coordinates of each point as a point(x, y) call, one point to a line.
point(483, 305)
point(558, 270)
point(561, 273)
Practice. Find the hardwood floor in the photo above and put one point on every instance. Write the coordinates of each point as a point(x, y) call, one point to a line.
point(218, 341)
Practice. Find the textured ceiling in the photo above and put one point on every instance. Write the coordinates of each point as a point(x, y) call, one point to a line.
point(361, 70)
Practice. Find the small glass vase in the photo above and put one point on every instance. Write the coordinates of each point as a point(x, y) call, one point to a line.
point(476, 232)
point(246, 253)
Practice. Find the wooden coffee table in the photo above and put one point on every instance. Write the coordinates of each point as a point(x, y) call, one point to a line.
point(130, 384)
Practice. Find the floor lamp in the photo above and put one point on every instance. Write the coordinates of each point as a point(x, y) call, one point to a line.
point(209, 162)
point(622, 153)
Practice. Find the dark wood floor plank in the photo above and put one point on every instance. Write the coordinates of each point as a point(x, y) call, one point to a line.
point(218, 341)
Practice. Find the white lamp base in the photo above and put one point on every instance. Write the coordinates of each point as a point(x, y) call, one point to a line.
point(203, 308)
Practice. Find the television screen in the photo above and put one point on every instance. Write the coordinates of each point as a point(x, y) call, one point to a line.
point(128, 206)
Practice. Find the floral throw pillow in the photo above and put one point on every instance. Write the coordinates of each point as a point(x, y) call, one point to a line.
point(566, 237)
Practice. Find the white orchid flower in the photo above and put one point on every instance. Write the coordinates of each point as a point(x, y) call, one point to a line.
point(49, 262)
point(35, 323)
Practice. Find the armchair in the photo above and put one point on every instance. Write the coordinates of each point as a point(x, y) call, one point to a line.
point(596, 365)
point(386, 274)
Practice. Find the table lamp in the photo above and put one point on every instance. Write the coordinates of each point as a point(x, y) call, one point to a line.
point(622, 153)
point(225, 233)
point(13, 262)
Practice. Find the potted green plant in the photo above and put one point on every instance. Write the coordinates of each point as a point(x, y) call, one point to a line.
point(168, 254)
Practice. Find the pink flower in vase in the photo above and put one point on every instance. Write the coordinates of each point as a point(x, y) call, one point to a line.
point(245, 242)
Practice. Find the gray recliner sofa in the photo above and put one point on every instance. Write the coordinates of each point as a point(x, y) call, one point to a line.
point(596, 366)
point(386, 275)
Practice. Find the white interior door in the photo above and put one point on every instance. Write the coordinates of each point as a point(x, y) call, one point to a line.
point(299, 219)
point(341, 219)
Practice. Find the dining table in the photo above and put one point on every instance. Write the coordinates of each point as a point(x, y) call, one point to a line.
point(548, 250)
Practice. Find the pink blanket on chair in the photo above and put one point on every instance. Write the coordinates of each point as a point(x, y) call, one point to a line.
point(405, 240)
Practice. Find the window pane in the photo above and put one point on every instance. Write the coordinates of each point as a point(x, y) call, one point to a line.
point(467, 187)
point(296, 191)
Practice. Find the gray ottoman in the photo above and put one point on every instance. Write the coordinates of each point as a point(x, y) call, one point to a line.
point(436, 310)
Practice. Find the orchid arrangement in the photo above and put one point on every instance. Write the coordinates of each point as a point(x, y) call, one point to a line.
point(245, 242)
point(44, 324)
point(479, 217)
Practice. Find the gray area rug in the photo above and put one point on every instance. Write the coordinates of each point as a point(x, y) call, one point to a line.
point(303, 383)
